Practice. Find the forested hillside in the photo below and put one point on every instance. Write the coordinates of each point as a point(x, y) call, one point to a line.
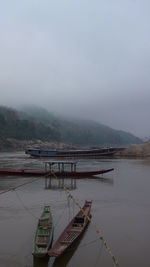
point(89, 132)
point(17, 125)
point(38, 124)
point(83, 132)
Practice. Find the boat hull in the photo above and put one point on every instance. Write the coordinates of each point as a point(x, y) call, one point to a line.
point(44, 234)
point(38, 173)
point(86, 153)
point(72, 232)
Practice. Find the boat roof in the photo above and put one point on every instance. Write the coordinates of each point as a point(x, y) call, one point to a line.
point(70, 149)
point(41, 149)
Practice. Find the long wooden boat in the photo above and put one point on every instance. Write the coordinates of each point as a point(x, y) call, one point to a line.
point(75, 153)
point(72, 232)
point(66, 174)
point(44, 233)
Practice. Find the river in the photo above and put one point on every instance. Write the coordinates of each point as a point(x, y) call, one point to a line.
point(120, 209)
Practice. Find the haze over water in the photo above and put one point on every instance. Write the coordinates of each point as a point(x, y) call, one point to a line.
point(120, 208)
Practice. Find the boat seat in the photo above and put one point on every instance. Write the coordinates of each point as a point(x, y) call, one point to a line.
point(76, 225)
point(44, 223)
point(41, 244)
point(70, 237)
point(78, 220)
point(42, 241)
point(74, 230)
point(43, 235)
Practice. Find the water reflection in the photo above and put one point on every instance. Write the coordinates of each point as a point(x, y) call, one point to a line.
point(71, 184)
point(105, 180)
point(40, 262)
point(60, 183)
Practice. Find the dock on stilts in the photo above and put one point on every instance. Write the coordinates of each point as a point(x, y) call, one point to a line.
point(54, 169)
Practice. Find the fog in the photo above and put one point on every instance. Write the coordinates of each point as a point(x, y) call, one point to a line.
point(87, 59)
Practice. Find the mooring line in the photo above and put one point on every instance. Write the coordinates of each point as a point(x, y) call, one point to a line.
point(15, 187)
point(25, 207)
point(94, 225)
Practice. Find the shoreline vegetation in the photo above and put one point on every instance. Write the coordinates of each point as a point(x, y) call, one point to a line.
point(136, 151)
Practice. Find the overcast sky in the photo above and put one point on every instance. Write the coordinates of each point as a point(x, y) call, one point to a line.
point(89, 59)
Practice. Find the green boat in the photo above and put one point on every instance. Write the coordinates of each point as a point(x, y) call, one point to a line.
point(44, 233)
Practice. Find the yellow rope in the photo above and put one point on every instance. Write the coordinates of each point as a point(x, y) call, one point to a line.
point(15, 187)
point(94, 225)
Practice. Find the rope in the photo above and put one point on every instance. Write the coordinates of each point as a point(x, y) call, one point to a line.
point(93, 224)
point(69, 214)
point(26, 208)
point(15, 187)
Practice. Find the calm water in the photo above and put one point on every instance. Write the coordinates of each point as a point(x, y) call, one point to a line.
point(121, 210)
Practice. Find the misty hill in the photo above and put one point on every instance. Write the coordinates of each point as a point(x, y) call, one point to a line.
point(39, 114)
point(39, 124)
point(18, 125)
point(82, 132)
point(95, 134)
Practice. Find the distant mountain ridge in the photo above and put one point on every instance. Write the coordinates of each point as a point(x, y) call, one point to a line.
point(33, 123)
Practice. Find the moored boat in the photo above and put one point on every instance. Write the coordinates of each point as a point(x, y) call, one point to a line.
point(72, 232)
point(65, 174)
point(75, 153)
point(44, 233)
point(66, 169)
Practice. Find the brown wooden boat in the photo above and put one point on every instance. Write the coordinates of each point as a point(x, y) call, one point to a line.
point(66, 174)
point(72, 232)
point(21, 172)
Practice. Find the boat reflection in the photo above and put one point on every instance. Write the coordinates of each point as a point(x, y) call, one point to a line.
point(40, 262)
point(106, 180)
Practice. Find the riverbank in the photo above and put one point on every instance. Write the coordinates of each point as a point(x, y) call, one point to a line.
point(12, 145)
point(136, 151)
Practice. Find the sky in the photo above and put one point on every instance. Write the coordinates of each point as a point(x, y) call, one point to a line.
point(86, 59)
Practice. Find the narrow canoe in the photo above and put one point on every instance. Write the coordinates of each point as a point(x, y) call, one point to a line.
point(72, 232)
point(32, 172)
point(44, 233)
